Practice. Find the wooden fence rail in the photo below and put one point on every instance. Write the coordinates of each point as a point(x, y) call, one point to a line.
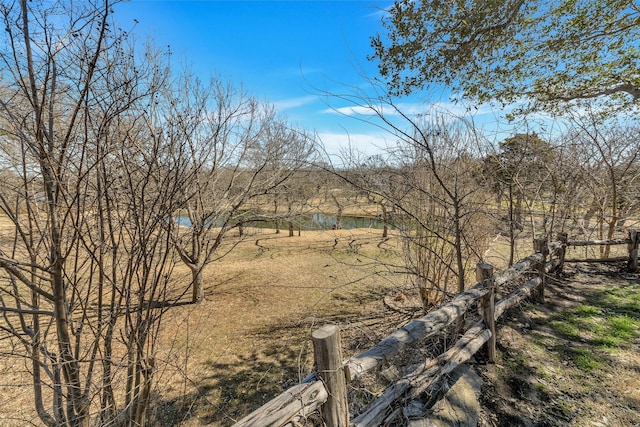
point(632, 247)
point(326, 389)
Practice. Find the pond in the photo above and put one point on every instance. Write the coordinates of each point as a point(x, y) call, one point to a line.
point(317, 221)
point(321, 221)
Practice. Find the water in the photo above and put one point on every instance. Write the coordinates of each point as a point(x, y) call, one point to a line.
point(316, 221)
point(326, 222)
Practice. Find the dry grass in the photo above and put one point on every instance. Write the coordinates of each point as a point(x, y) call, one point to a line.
point(249, 340)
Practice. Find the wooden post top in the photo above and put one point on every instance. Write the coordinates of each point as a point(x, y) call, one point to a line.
point(484, 273)
point(540, 245)
point(324, 332)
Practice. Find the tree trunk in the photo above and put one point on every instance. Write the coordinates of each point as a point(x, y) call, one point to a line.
point(385, 221)
point(518, 213)
point(197, 283)
point(275, 214)
point(512, 234)
point(614, 215)
point(458, 242)
point(338, 225)
point(35, 360)
point(78, 407)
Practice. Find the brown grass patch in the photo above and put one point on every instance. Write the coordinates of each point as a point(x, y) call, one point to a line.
point(249, 339)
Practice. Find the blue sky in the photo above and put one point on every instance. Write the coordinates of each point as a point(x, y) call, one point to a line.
point(282, 52)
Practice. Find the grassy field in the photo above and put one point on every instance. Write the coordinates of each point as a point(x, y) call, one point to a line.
point(250, 339)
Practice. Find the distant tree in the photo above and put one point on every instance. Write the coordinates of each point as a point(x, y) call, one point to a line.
point(519, 173)
point(548, 52)
point(557, 197)
point(374, 172)
point(296, 193)
point(609, 156)
point(386, 211)
point(336, 194)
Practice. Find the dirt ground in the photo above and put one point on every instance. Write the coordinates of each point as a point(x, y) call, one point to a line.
point(573, 361)
point(250, 339)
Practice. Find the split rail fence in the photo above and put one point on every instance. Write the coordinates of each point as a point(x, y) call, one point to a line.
point(326, 389)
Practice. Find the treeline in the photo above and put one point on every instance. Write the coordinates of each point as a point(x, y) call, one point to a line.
point(448, 191)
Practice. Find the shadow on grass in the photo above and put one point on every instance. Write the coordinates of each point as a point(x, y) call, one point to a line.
point(238, 388)
point(545, 374)
point(281, 356)
point(521, 399)
point(605, 320)
point(250, 383)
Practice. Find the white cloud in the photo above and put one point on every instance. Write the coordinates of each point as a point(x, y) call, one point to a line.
point(338, 144)
point(412, 109)
point(379, 11)
point(287, 104)
point(373, 136)
point(356, 110)
point(382, 109)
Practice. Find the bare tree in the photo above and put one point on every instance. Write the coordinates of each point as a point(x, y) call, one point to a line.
point(520, 173)
point(608, 153)
point(84, 274)
point(369, 172)
point(445, 203)
point(432, 183)
point(296, 194)
point(242, 155)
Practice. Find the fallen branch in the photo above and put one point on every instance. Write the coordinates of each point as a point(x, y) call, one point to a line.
point(425, 376)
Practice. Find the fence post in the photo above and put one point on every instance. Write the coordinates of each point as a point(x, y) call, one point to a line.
point(541, 246)
point(633, 250)
point(328, 357)
point(563, 238)
point(484, 275)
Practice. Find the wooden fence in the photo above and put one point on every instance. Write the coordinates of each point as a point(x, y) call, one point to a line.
point(326, 389)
